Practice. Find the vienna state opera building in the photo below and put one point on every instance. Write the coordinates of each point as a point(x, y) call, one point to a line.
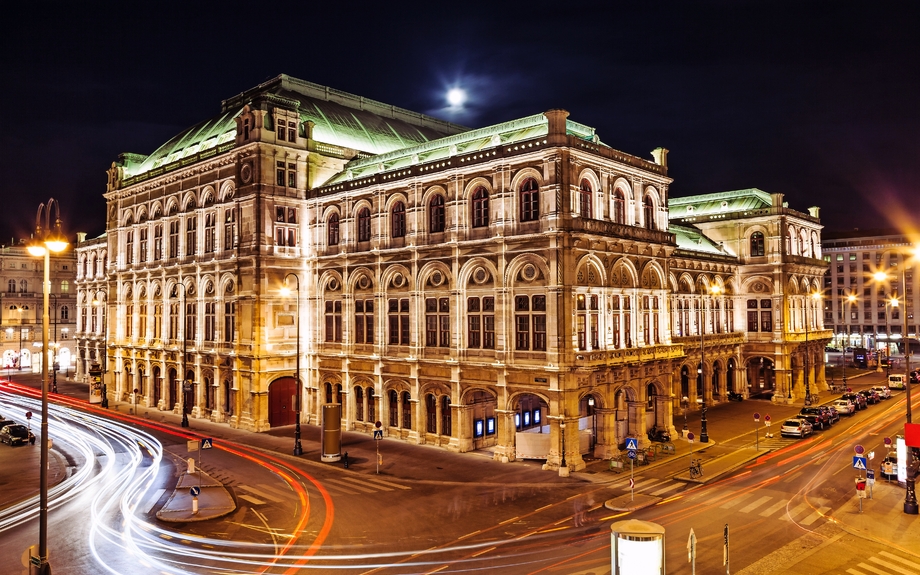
point(515, 288)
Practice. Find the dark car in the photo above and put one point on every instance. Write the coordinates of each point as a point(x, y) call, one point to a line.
point(832, 414)
point(830, 349)
point(16, 434)
point(817, 416)
point(871, 396)
point(858, 400)
point(915, 376)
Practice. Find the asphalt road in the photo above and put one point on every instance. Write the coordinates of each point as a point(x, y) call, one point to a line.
point(792, 510)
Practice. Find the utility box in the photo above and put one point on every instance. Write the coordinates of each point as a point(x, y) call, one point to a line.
point(95, 383)
point(332, 432)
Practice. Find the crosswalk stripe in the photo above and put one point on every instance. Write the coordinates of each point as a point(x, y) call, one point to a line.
point(735, 501)
point(260, 493)
point(891, 566)
point(855, 572)
point(388, 483)
point(364, 483)
point(789, 478)
point(642, 483)
point(901, 559)
point(755, 504)
point(667, 488)
point(818, 513)
point(872, 569)
point(774, 508)
point(348, 485)
point(648, 486)
point(795, 511)
point(283, 494)
point(251, 499)
point(340, 490)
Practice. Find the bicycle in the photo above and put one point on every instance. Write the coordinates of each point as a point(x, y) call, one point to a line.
point(812, 399)
point(696, 468)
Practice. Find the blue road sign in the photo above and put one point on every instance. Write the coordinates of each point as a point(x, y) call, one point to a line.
point(378, 434)
point(194, 490)
point(859, 462)
point(632, 444)
point(870, 474)
point(207, 443)
point(631, 453)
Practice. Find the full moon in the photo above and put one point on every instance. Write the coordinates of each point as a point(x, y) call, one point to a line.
point(456, 97)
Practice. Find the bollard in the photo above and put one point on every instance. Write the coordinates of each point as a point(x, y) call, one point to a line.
point(194, 506)
point(191, 465)
point(346, 460)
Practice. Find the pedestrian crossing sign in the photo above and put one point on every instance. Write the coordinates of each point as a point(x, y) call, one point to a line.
point(631, 444)
point(859, 462)
point(207, 443)
point(378, 434)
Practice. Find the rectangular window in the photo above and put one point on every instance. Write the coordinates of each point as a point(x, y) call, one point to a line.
point(229, 229)
point(173, 321)
point(480, 322)
point(766, 315)
point(229, 321)
point(142, 255)
point(157, 243)
point(530, 323)
point(129, 247)
point(281, 129)
point(129, 317)
point(209, 232)
point(209, 321)
point(191, 225)
point(334, 321)
point(285, 226)
point(437, 322)
point(191, 323)
point(280, 173)
point(398, 316)
point(364, 321)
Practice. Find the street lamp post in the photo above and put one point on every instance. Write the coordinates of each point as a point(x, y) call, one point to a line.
point(850, 299)
point(103, 304)
point(185, 382)
point(910, 496)
point(814, 296)
point(64, 336)
point(704, 432)
point(50, 241)
point(285, 291)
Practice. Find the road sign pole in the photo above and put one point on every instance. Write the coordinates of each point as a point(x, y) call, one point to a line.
point(632, 482)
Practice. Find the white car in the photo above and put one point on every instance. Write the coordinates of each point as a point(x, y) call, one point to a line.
point(845, 406)
point(796, 428)
point(882, 391)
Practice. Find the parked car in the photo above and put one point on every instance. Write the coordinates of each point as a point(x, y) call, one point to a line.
point(889, 467)
point(845, 406)
point(797, 427)
point(830, 349)
point(896, 381)
point(871, 397)
point(16, 434)
point(821, 417)
point(915, 376)
point(814, 420)
point(858, 400)
point(882, 391)
point(832, 413)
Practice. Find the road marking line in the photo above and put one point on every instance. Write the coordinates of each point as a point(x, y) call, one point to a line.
point(855, 572)
point(362, 483)
point(774, 508)
point(251, 499)
point(818, 513)
point(789, 478)
point(873, 569)
point(348, 485)
point(153, 500)
point(901, 559)
point(389, 483)
point(891, 566)
point(261, 493)
point(656, 483)
point(755, 504)
point(735, 501)
point(510, 520)
point(795, 511)
point(666, 489)
point(284, 494)
point(340, 490)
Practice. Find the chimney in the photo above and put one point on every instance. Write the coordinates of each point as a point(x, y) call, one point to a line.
point(556, 119)
point(661, 156)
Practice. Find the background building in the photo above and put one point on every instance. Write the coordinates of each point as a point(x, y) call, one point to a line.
point(860, 307)
point(21, 311)
point(520, 287)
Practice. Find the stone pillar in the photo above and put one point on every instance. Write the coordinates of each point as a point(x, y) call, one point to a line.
point(505, 446)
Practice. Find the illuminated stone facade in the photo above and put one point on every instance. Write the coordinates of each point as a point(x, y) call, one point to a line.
point(467, 288)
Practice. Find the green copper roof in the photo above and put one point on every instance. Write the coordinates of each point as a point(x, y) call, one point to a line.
point(692, 239)
point(721, 202)
point(339, 118)
point(466, 142)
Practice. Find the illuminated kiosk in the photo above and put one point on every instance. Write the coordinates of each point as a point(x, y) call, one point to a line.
point(637, 548)
point(332, 432)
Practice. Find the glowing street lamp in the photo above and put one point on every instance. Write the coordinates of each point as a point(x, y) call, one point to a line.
point(286, 291)
point(910, 496)
point(47, 241)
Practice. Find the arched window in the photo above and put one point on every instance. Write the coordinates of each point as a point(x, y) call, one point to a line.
point(648, 213)
point(398, 220)
point(394, 408)
point(584, 199)
point(11, 285)
point(619, 207)
point(364, 225)
point(480, 208)
point(359, 403)
point(406, 411)
point(530, 200)
point(436, 214)
point(431, 412)
point(371, 409)
point(23, 286)
point(333, 229)
point(445, 416)
point(757, 244)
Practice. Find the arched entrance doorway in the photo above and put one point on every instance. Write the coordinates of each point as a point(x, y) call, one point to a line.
point(587, 421)
point(173, 394)
point(761, 378)
point(281, 397)
point(532, 436)
point(156, 382)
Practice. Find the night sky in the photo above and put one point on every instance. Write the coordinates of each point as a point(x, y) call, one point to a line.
point(817, 100)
